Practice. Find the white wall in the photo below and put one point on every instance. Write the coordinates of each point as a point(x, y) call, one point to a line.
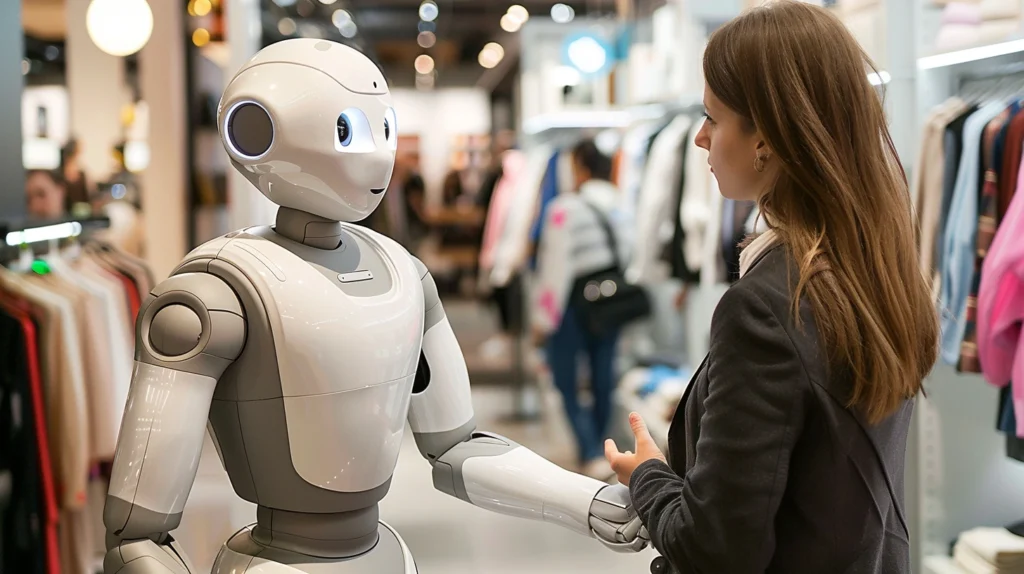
point(436, 116)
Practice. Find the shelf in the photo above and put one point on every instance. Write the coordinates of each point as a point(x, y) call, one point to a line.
point(971, 54)
point(941, 565)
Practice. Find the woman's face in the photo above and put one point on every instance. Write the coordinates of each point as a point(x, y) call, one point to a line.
point(45, 197)
point(733, 148)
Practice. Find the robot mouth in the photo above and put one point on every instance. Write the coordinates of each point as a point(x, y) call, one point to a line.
point(377, 191)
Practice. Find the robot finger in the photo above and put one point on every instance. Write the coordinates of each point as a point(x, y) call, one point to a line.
point(631, 530)
point(612, 503)
point(604, 530)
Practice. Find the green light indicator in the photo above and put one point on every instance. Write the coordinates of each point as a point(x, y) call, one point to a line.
point(40, 267)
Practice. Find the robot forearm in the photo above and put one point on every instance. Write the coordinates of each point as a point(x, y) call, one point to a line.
point(495, 473)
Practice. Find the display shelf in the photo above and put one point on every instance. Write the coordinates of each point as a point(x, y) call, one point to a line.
point(976, 53)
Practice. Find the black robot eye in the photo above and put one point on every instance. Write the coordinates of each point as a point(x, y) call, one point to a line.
point(344, 130)
point(387, 129)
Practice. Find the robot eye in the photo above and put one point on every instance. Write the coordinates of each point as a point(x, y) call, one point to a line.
point(353, 134)
point(391, 128)
point(344, 130)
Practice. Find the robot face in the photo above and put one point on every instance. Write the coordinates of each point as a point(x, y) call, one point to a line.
point(310, 123)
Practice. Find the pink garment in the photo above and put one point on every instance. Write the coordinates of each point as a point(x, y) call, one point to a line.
point(512, 164)
point(962, 13)
point(1001, 305)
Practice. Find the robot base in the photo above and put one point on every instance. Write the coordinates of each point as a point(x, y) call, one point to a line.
point(243, 555)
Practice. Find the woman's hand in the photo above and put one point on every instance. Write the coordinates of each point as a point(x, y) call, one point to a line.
point(624, 463)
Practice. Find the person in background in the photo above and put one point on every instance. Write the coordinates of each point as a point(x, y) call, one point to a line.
point(74, 178)
point(787, 451)
point(44, 195)
point(574, 244)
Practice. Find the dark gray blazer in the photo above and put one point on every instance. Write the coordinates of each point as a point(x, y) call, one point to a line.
point(769, 471)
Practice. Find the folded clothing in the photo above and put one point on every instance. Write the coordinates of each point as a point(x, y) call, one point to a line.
point(996, 546)
point(999, 9)
point(962, 13)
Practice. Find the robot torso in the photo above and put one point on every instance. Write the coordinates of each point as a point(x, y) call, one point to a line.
point(310, 417)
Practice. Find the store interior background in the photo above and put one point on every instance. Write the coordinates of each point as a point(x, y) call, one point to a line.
point(469, 78)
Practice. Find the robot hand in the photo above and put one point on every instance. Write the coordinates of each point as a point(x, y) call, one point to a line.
point(146, 557)
point(615, 523)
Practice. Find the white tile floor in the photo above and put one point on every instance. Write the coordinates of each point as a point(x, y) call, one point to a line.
point(446, 535)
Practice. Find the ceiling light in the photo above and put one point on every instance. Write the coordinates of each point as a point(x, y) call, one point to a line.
point(26, 67)
point(284, 3)
point(327, 2)
point(519, 13)
point(286, 26)
point(348, 29)
point(201, 37)
point(510, 24)
point(340, 17)
point(491, 55)
point(51, 53)
point(880, 78)
point(562, 13)
point(426, 39)
point(424, 64)
point(306, 8)
point(587, 54)
point(202, 7)
point(426, 26)
point(119, 27)
point(428, 11)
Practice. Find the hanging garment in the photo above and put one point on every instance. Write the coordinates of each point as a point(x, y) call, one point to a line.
point(548, 192)
point(513, 164)
point(952, 146)
point(675, 255)
point(991, 149)
point(1001, 306)
point(28, 533)
point(696, 208)
point(926, 187)
point(511, 254)
point(658, 193)
point(1012, 150)
point(67, 411)
point(959, 241)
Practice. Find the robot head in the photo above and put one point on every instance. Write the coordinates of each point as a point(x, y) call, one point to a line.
point(310, 124)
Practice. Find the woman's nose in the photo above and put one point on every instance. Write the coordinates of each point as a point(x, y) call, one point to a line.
point(702, 140)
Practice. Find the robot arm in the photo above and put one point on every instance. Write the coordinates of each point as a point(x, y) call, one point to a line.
point(494, 472)
point(190, 329)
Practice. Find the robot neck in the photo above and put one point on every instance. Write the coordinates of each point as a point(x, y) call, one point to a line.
point(308, 229)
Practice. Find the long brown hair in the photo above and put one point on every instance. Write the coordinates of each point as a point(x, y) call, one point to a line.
point(840, 203)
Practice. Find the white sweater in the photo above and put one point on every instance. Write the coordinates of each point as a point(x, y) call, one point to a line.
point(573, 243)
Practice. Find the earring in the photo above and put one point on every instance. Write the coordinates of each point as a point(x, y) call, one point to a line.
point(759, 163)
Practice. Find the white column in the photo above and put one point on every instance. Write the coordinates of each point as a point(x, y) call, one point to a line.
point(165, 181)
point(96, 92)
point(12, 50)
point(246, 205)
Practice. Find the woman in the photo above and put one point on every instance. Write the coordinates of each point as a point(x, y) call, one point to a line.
point(787, 453)
point(575, 243)
point(44, 195)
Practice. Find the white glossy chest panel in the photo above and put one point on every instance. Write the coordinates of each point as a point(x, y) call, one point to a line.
point(346, 363)
point(327, 341)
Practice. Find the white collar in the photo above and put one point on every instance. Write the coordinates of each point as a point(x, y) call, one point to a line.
point(758, 247)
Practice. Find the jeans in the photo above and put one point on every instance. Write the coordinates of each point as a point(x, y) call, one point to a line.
point(590, 425)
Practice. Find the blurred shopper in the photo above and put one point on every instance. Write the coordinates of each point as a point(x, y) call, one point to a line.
point(44, 195)
point(787, 452)
point(74, 177)
point(575, 243)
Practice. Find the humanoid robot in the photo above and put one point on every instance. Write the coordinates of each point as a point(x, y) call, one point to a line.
point(304, 348)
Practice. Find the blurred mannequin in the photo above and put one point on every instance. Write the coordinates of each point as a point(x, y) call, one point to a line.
point(75, 181)
point(45, 195)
